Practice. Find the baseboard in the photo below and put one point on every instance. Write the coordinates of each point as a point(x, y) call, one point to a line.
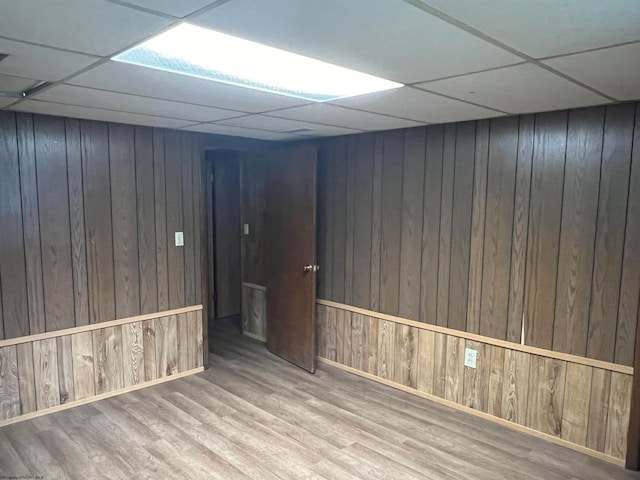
point(477, 413)
point(95, 398)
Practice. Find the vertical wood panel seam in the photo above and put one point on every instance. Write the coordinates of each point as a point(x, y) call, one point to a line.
point(595, 232)
point(66, 160)
point(513, 228)
point(624, 235)
point(564, 174)
point(135, 176)
point(24, 245)
point(453, 199)
point(113, 251)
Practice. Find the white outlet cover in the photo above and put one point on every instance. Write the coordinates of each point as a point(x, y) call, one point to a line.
point(470, 357)
point(179, 239)
point(245, 229)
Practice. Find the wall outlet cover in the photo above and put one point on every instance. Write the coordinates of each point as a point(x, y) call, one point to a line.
point(179, 239)
point(245, 228)
point(470, 357)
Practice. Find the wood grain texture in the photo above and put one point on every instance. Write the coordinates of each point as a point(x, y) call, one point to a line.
point(579, 210)
point(31, 222)
point(173, 177)
point(9, 383)
point(376, 220)
point(254, 311)
point(146, 218)
point(599, 409)
point(349, 219)
point(124, 220)
point(392, 168)
point(496, 381)
point(520, 238)
point(461, 225)
point(496, 267)
point(546, 395)
point(97, 204)
point(515, 386)
point(476, 380)
point(324, 222)
point(253, 213)
point(431, 225)
point(618, 423)
point(406, 355)
point(630, 282)
point(575, 412)
point(83, 365)
point(160, 197)
point(183, 341)
point(544, 227)
point(446, 222)
point(412, 217)
point(65, 369)
point(107, 359)
point(76, 216)
point(166, 346)
point(26, 378)
point(338, 165)
point(557, 399)
point(426, 349)
point(607, 266)
point(454, 376)
point(362, 222)
point(133, 354)
point(478, 214)
point(188, 215)
point(55, 228)
point(45, 363)
point(15, 310)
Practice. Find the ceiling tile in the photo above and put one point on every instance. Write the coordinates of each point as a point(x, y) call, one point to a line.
point(520, 89)
point(389, 39)
point(542, 28)
point(614, 71)
point(171, 7)
point(90, 26)
point(283, 125)
point(47, 108)
point(48, 64)
point(88, 97)
point(122, 77)
point(9, 83)
point(344, 117)
point(240, 132)
point(5, 102)
point(417, 105)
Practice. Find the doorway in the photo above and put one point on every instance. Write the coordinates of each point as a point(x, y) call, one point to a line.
point(225, 237)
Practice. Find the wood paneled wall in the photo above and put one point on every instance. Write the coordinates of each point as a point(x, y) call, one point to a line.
point(580, 404)
point(88, 213)
point(48, 372)
point(254, 311)
point(253, 187)
point(497, 227)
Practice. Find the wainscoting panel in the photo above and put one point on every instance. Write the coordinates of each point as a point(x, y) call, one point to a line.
point(254, 311)
point(52, 371)
point(574, 401)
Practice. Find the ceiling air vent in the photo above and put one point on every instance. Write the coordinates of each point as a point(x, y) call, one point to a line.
point(299, 131)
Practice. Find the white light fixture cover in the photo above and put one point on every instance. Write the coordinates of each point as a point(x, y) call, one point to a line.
point(199, 52)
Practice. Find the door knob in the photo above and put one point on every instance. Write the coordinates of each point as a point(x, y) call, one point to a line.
point(310, 268)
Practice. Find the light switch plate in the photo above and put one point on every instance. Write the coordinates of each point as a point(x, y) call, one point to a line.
point(470, 357)
point(245, 228)
point(179, 239)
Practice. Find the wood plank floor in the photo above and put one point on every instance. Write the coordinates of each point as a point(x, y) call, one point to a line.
point(255, 416)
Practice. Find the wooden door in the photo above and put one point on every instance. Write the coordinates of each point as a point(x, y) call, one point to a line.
point(226, 235)
point(291, 245)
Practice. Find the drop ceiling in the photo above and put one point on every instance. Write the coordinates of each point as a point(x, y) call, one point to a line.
point(460, 60)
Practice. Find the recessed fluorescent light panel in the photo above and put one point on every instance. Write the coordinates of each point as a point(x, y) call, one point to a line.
point(199, 52)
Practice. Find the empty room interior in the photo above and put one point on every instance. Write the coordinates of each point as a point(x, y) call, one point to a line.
point(304, 239)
